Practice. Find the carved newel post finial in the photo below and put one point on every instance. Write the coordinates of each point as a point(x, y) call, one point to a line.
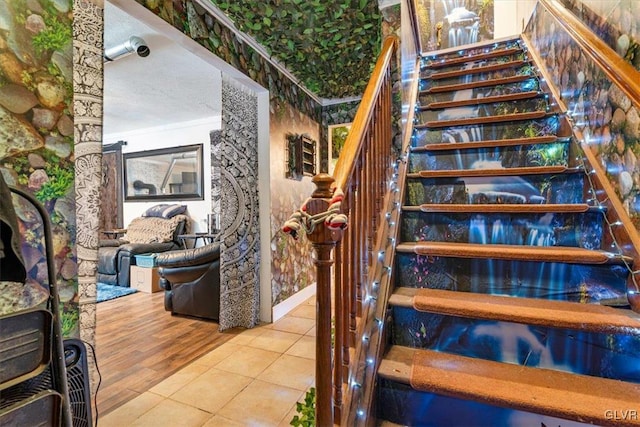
point(323, 183)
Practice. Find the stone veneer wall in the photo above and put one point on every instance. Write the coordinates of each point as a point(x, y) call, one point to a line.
point(239, 206)
point(616, 23)
point(291, 260)
point(50, 145)
point(604, 115)
point(37, 144)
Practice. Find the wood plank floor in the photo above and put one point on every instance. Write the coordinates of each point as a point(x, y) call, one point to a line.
point(139, 344)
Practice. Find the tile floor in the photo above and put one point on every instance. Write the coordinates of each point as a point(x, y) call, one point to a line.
point(255, 379)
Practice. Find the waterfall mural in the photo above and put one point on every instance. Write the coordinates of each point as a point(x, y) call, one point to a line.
point(462, 124)
point(582, 230)
point(406, 406)
point(534, 189)
point(603, 284)
point(456, 236)
point(460, 22)
point(597, 354)
point(516, 75)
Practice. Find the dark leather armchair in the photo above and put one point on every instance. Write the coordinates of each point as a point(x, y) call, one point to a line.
point(116, 256)
point(191, 280)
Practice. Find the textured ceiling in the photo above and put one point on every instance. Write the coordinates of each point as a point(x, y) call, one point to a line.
point(170, 85)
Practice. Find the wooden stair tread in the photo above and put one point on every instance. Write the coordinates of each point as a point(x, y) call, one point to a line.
point(541, 312)
point(440, 105)
point(480, 83)
point(531, 115)
point(560, 394)
point(477, 70)
point(512, 252)
point(503, 208)
point(489, 143)
point(532, 170)
point(473, 58)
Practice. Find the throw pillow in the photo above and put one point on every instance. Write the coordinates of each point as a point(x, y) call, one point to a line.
point(165, 210)
point(152, 230)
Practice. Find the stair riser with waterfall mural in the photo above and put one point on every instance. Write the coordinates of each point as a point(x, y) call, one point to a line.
point(502, 252)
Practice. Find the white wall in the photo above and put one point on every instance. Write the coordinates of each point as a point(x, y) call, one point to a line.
point(264, 191)
point(510, 16)
point(172, 135)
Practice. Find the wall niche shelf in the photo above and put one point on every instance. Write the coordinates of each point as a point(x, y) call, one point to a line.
point(301, 156)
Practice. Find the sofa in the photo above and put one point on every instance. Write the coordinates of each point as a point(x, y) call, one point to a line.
point(191, 281)
point(145, 234)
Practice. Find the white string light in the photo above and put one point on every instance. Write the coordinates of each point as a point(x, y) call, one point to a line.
point(601, 204)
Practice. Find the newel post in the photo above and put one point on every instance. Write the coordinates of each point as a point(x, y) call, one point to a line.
point(324, 240)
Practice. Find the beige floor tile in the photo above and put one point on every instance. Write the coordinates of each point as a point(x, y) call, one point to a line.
point(312, 332)
point(273, 340)
point(296, 325)
point(286, 421)
point(304, 347)
point(248, 361)
point(170, 413)
point(245, 336)
point(311, 301)
point(211, 390)
point(218, 421)
point(178, 380)
point(304, 310)
point(261, 404)
point(126, 414)
point(214, 357)
point(290, 371)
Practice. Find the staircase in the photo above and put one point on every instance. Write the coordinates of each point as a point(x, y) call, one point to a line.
point(509, 306)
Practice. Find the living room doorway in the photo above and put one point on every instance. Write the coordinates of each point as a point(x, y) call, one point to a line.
point(163, 92)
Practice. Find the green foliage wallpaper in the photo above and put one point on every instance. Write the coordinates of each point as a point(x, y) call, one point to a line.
point(330, 45)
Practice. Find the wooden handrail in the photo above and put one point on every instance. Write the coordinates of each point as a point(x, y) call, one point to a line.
point(615, 67)
point(352, 146)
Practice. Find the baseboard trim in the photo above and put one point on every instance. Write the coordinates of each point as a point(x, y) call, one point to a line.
point(281, 309)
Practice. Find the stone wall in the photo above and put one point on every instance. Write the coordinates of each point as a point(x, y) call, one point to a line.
point(37, 142)
point(616, 23)
point(291, 266)
point(604, 115)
